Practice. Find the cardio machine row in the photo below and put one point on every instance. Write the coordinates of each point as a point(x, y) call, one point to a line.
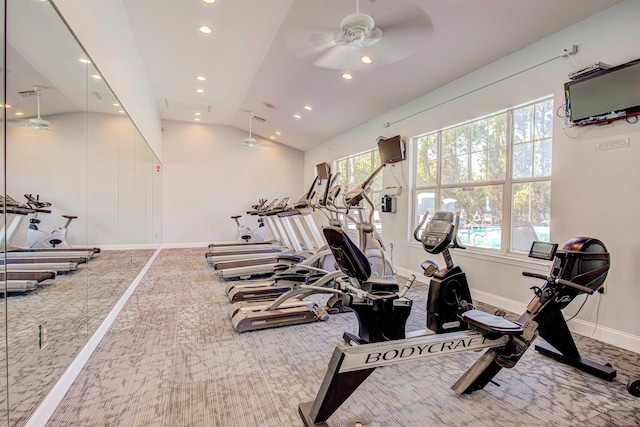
point(282, 299)
point(48, 254)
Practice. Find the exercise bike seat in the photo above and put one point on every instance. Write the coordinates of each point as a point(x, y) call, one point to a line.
point(69, 216)
point(381, 284)
point(491, 323)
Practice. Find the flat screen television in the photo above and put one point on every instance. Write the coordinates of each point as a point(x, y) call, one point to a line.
point(603, 96)
point(323, 170)
point(391, 149)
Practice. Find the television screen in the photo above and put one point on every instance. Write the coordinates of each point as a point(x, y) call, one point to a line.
point(391, 149)
point(605, 95)
point(323, 170)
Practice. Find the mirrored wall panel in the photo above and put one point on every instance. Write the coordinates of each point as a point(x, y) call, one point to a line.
point(81, 203)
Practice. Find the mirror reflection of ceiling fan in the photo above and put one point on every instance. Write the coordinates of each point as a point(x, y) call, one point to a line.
point(251, 141)
point(399, 29)
point(35, 123)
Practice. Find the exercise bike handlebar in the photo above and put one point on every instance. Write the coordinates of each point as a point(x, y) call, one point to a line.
point(551, 279)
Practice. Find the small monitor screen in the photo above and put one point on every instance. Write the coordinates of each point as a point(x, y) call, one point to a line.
point(543, 250)
point(323, 170)
point(391, 149)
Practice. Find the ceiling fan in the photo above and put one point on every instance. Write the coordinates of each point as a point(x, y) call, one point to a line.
point(400, 27)
point(250, 141)
point(36, 123)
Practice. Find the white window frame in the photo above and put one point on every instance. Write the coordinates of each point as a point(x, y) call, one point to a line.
point(376, 193)
point(507, 183)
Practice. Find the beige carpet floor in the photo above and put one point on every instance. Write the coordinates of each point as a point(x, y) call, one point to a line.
point(173, 359)
point(72, 305)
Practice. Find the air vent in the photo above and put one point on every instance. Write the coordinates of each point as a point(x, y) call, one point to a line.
point(186, 105)
point(27, 93)
point(260, 119)
point(105, 96)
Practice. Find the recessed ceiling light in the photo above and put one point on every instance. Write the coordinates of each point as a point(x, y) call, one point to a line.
point(198, 113)
point(201, 78)
point(347, 76)
point(204, 29)
point(200, 90)
point(272, 137)
point(120, 111)
point(197, 119)
point(19, 113)
point(5, 106)
point(366, 59)
point(278, 132)
point(308, 107)
point(297, 116)
point(96, 76)
point(84, 61)
point(115, 104)
point(209, 1)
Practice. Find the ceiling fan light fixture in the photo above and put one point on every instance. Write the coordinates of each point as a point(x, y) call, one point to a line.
point(366, 59)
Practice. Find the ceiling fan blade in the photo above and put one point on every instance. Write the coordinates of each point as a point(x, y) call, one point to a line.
point(404, 31)
point(340, 57)
point(304, 44)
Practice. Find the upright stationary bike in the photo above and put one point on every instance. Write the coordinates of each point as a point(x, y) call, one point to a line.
point(40, 239)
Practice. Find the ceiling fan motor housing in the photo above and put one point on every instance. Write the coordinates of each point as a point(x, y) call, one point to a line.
point(360, 29)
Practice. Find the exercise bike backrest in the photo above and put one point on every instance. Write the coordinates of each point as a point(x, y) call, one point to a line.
point(349, 258)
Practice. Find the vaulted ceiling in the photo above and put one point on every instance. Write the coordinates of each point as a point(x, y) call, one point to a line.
point(274, 57)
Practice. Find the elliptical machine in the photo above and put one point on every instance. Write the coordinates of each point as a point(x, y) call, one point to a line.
point(39, 239)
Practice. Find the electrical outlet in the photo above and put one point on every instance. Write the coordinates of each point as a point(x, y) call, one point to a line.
point(42, 336)
point(570, 50)
point(603, 288)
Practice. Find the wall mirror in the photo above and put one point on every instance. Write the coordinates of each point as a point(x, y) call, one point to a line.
point(68, 141)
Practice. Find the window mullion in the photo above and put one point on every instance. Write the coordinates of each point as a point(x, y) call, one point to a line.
point(507, 190)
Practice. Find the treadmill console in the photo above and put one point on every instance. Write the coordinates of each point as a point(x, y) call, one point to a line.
point(438, 233)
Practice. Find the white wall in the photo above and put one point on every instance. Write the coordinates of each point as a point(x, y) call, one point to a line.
point(593, 193)
point(104, 179)
point(105, 33)
point(210, 176)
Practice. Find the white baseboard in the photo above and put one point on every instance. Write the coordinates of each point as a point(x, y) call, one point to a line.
point(581, 327)
point(47, 407)
point(128, 247)
point(186, 245)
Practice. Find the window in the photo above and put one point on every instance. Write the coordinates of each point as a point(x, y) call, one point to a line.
point(495, 171)
point(353, 170)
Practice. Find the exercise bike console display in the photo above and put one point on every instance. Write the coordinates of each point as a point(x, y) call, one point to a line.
point(437, 235)
point(543, 250)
